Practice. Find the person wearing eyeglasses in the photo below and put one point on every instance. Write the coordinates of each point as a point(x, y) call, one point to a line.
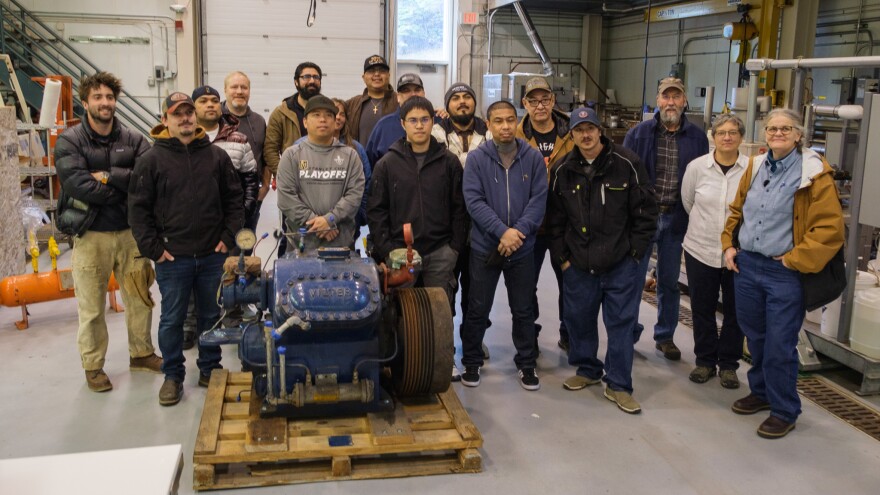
point(378, 100)
point(709, 185)
point(785, 221)
point(545, 129)
point(419, 182)
point(388, 130)
point(285, 124)
point(666, 145)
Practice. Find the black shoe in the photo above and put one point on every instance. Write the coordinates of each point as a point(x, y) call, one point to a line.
point(528, 378)
point(471, 376)
point(205, 377)
point(189, 339)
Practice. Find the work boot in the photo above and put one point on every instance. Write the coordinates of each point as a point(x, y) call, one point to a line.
point(729, 379)
point(624, 400)
point(170, 393)
point(669, 349)
point(151, 363)
point(189, 339)
point(702, 374)
point(750, 404)
point(98, 380)
point(774, 427)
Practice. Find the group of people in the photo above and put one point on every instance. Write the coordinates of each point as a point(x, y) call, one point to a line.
point(484, 198)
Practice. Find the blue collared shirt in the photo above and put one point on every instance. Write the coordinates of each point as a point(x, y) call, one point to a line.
point(769, 207)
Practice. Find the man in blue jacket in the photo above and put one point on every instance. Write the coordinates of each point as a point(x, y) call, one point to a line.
point(665, 145)
point(505, 191)
point(388, 130)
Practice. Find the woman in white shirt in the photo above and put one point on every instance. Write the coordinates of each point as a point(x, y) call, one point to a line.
point(709, 186)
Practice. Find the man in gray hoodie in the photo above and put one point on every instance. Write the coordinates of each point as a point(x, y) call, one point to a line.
point(320, 181)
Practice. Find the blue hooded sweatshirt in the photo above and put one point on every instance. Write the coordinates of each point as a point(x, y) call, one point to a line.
point(499, 198)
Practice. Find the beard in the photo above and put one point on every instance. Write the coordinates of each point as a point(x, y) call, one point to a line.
point(462, 119)
point(667, 118)
point(309, 90)
point(95, 114)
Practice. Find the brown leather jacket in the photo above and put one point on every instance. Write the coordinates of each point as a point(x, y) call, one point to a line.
point(355, 105)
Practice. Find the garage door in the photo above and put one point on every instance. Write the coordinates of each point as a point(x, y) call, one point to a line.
point(267, 39)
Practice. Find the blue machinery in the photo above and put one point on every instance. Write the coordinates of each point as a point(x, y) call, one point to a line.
point(342, 334)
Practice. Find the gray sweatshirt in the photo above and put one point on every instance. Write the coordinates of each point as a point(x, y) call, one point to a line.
point(318, 180)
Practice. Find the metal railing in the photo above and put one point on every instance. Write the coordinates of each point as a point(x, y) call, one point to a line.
point(40, 50)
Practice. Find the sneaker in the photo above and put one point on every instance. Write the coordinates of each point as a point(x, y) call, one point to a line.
point(485, 352)
point(774, 427)
point(456, 375)
point(471, 376)
point(750, 404)
point(565, 345)
point(151, 363)
point(528, 378)
point(189, 339)
point(702, 374)
point(669, 349)
point(578, 382)
point(624, 401)
point(729, 379)
point(170, 393)
point(98, 380)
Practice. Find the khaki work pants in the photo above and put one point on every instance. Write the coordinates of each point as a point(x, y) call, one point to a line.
point(95, 256)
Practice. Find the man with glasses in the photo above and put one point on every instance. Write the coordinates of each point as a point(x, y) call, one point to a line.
point(286, 121)
point(666, 144)
point(378, 99)
point(546, 130)
point(419, 182)
point(388, 130)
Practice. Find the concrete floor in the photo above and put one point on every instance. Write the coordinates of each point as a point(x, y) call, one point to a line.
point(686, 441)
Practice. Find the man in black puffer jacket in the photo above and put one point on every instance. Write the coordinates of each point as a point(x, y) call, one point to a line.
point(94, 162)
point(185, 206)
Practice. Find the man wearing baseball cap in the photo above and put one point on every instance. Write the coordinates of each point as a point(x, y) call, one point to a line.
point(186, 227)
point(665, 145)
point(601, 216)
point(388, 130)
point(321, 181)
point(378, 99)
point(546, 129)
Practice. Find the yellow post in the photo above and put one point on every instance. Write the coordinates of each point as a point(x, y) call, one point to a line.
point(54, 252)
point(771, 11)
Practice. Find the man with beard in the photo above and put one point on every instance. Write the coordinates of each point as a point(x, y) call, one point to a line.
point(461, 133)
point(666, 144)
point(286, 121)
point(94, 161)
point(388, 130)
point(186, 226)
point(378, 99)
point(237, 88)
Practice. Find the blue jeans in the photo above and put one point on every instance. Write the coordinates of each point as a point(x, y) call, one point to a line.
point(668, 269)
point(177, 280)
point(615, 292)
point(519, 280)
point(713, 349)
point(542, 245)
point(770, 310)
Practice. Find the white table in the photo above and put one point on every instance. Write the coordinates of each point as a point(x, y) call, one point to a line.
point(140, 471)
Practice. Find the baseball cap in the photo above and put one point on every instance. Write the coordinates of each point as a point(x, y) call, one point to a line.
point(537, 83)
point(320, 102)
point(409, 78)
point(670, 82)
point(458, 87)
point(174, 100)
point(375, 61)
point(204, 90)
point(584, 114)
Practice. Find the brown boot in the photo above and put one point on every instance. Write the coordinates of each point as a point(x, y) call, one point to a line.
point(98, 381)
point(170, 392)
point(151, 363)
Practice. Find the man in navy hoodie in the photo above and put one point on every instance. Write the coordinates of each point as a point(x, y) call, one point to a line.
point(505, 191)
point(665, 145)
point(388, 130)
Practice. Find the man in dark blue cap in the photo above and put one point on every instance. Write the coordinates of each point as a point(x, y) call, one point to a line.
point(601, 215)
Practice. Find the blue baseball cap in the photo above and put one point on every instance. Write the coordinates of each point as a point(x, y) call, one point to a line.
point(584, 114)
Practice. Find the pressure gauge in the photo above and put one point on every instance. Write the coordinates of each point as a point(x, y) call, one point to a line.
point(245, 239)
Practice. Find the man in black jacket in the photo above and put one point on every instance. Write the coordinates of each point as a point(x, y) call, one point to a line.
point(419, 182)
point(94, 161)
point(601, 216)
point(185, 206)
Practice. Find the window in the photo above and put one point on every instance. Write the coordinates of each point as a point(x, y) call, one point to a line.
point(423, 30)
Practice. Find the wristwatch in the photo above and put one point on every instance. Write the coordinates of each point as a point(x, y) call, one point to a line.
point(105, 176)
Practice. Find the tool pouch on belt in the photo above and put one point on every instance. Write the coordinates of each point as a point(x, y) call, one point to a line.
point(138, 281)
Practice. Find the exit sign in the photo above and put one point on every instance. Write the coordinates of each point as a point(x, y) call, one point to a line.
point(470, 18)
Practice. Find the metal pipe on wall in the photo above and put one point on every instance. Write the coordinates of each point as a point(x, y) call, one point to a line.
point(796, 101)
point(752, 112)
point(532, 33)
point(759, 64)
point(707, 106)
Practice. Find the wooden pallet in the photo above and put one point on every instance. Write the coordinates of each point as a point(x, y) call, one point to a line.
point(235, 448)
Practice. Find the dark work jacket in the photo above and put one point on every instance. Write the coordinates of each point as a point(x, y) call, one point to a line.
point(600, 213)
point(692, 143)
point(354, 107)
point(81, 151)
point(184, 198)
point(429, 198)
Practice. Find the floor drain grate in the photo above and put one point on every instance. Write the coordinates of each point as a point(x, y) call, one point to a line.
point(840, 404)
point(684, 314)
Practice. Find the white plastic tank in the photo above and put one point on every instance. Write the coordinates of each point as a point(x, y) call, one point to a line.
point(831, 312)
point(864, 335)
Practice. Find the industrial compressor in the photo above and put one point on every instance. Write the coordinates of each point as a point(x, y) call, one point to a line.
point(342, 334)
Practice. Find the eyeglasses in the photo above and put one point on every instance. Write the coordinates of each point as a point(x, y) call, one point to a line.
point(722, 134)
point(310, 77)
point(415, 121)
point(377, 70)
point(785, 130)
point(534, 102)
